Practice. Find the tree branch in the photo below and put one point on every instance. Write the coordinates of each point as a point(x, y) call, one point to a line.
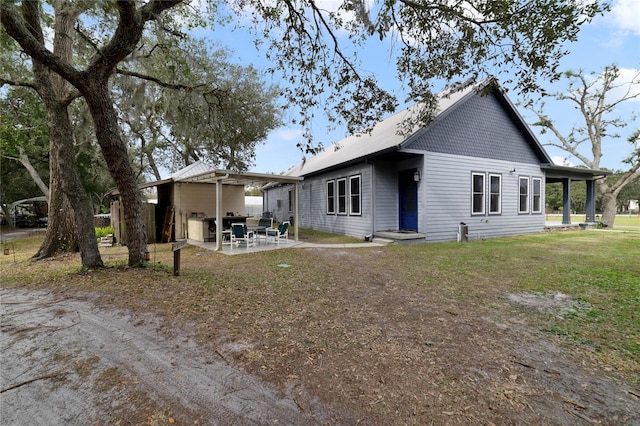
point(6, 81)
point(157, 81)
point(17, 28)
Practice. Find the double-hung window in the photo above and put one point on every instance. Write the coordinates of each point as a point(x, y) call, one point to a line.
point(523, 191)
point(495, 194)
point(477, 193)
point(536, 194)
point(331, 197)
point(342, 196)
point(355, 203)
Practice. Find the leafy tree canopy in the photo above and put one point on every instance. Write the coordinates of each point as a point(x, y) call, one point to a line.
point(316, 50)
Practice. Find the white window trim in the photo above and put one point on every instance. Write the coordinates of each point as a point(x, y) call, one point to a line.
point(533, 196)
point(484, 194)
point(335, 187)
point(499, 176)
point(345, 195)
point(528, 200)
point(351, 212)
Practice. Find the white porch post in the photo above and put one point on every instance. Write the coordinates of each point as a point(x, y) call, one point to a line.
point(218, 215)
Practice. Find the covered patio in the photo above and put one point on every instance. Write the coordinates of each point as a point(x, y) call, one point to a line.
point(200, 204)
point(566, 175)
point(231, 249)
point(222, 178)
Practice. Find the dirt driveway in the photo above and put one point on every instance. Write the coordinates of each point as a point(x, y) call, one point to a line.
point(64, 361)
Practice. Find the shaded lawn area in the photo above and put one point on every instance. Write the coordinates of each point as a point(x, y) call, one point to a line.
point(404, 332)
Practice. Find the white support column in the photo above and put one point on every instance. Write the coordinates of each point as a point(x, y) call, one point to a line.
point(218, 215)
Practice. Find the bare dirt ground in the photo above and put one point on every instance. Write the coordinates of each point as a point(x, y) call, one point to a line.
point(375, 352)
point(65, 361)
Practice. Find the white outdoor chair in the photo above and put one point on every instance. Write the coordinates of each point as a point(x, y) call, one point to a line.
point(279, 233)
point(240, 234)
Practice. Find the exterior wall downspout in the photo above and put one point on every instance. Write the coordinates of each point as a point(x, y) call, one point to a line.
point(373, 198)
point(296, 220)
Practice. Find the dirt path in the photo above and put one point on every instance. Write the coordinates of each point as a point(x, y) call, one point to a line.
point(64, 361)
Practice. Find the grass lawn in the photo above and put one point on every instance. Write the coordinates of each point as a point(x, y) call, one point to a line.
point(358, 323)
point(623, 221)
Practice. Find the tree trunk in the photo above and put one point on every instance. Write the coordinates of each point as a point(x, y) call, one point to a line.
point(61, 231)
point(60, 131)
point(116, 156)
point(71, 224)
point(609, 208)
point(24, 160)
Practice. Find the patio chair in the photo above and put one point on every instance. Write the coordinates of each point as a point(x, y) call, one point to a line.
point(212, 230)
point(279, 233)
point(240, 234)
point(265, 222)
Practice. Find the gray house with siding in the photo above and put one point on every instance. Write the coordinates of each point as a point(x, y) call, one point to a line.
point(476, 163)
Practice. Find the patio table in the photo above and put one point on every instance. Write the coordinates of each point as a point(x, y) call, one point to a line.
point(257, 230)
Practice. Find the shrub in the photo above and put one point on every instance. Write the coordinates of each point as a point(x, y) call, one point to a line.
point(104, 231)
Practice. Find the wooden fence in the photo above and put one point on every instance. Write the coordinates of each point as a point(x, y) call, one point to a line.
point(119, 228)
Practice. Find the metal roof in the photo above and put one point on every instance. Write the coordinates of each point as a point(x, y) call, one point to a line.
point(557, 173)
point(201, 172)
point(383, 137)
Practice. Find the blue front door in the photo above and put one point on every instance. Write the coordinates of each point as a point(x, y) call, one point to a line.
point(408, 200)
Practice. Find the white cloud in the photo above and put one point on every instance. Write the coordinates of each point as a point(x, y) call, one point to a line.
point(287, 134)
point(629, 79)
point(562, 161)
point(626, 15)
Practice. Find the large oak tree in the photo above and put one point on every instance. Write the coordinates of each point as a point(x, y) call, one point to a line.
point(93, 84)
point(596, 98)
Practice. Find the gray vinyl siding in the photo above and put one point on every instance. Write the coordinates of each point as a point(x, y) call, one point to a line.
point(386, 196)
point(313, 203)
point(276, 201)
point(446, 187)
point(386, 192)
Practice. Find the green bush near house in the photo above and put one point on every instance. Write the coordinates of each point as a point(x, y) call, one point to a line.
point(104, 231)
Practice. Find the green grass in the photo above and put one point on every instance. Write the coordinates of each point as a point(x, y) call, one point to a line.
point(622, 220)
point(599, 270)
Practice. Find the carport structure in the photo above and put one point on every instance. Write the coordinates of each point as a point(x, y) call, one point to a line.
point(228, 177)
point(199, 191)
point(566, 175)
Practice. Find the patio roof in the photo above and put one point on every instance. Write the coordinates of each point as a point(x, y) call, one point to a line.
point(555, 173)
point(229, 177)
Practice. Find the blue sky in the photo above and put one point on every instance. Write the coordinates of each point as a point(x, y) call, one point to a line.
point(611, 39)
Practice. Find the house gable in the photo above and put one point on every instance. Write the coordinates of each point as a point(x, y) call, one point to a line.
point(483, 126)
